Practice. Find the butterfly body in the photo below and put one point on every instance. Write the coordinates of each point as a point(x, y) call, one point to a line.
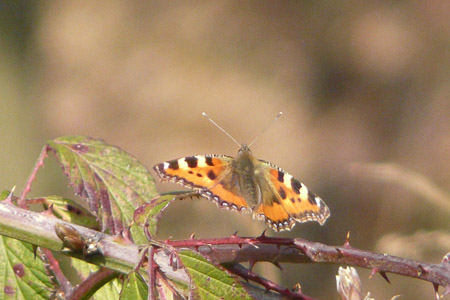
point(248, 185)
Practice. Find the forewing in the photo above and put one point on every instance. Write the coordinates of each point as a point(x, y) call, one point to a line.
point(211, 175)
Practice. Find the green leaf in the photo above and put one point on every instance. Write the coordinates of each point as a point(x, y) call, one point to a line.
point(133, 288)
point(113, 182)
point(110, 291)
point(150, 212)
point(210, 281)
point(4, 194)
point(22, 275)
point(69, 210)
point(83, 268)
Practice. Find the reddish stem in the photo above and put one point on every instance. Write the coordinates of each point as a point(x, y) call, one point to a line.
point(53, 264)
point(91, 284)
point(39, 163)
point(245, 273)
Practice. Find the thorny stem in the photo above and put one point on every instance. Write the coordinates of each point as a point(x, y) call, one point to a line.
point(40, 230)
point(245, 273)
point(91, 284)
point(53, 264)
point(151, 273)
point(313, 252)
point(39, 163)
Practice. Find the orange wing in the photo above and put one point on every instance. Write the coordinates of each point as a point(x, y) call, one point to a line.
point(289, 201)
point(209, 174)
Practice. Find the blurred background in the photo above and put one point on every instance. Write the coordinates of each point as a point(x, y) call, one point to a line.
point(364, 88)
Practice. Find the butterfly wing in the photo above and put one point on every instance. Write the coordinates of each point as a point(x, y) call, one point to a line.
point(211, 175)
point(285, 200)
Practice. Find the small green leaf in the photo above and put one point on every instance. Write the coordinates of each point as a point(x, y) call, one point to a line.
point(69, 210)
point(4, 194)
point(83, 268)
point(210, 281)
point(150, 212)
point(110, 291)
point(22, 275)
point(133, 288)
point(113, 182)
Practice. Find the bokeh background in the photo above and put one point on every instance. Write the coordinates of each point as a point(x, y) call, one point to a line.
point(364, 87)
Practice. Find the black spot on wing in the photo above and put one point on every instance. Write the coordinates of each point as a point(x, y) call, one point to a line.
point(296, 185)
point(191, 161)
point(292, 199)
point(173, 164)
point(211, 175)
point(280, 176)
point(275, 199)
point(208, 160)
point(312, 198)
point(282, 193)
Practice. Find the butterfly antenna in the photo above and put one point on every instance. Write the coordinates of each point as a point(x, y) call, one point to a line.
point(223, 130)
point(267, 127)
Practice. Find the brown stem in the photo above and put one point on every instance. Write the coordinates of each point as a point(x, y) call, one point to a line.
point(39, 163)
point(91, 284)
point(276, 250)
point(245, 273)
point(53, 264)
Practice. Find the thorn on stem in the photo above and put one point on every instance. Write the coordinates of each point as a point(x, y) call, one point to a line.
point(297, 288)
point(384, 275)
point(347, 240)
point(263, 235)
point(436, 290)
point(277, 264)
point(251, 263)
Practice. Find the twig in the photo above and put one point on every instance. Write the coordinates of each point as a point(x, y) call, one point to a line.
point(91, 284)
point(245, 273)
point(53, 264)
point(39, 229)
point(274, 250)
point(39, 163)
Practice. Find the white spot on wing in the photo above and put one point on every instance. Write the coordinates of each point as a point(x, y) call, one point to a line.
point(303, 192)
point(166, 165)
point(201, 162)
point(182, 163)
point(318, 200)
point(287, 180)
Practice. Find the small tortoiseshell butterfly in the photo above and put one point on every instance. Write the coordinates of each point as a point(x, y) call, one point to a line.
point(247, 184)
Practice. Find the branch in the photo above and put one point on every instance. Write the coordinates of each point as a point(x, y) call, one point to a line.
point(277, 250)
point(39, 229)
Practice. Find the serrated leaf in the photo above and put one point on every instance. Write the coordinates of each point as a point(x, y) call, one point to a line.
point(112, 181)
point(69, 210)
point(83, 268)
point(133, 288)
point(22, 275)
point(210, 281)
point(110, 291)
point(149, 213)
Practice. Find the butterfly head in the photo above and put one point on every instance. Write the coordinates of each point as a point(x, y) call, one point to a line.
point(244, 150)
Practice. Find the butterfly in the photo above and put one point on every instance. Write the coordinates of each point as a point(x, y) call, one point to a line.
point(247, 185)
